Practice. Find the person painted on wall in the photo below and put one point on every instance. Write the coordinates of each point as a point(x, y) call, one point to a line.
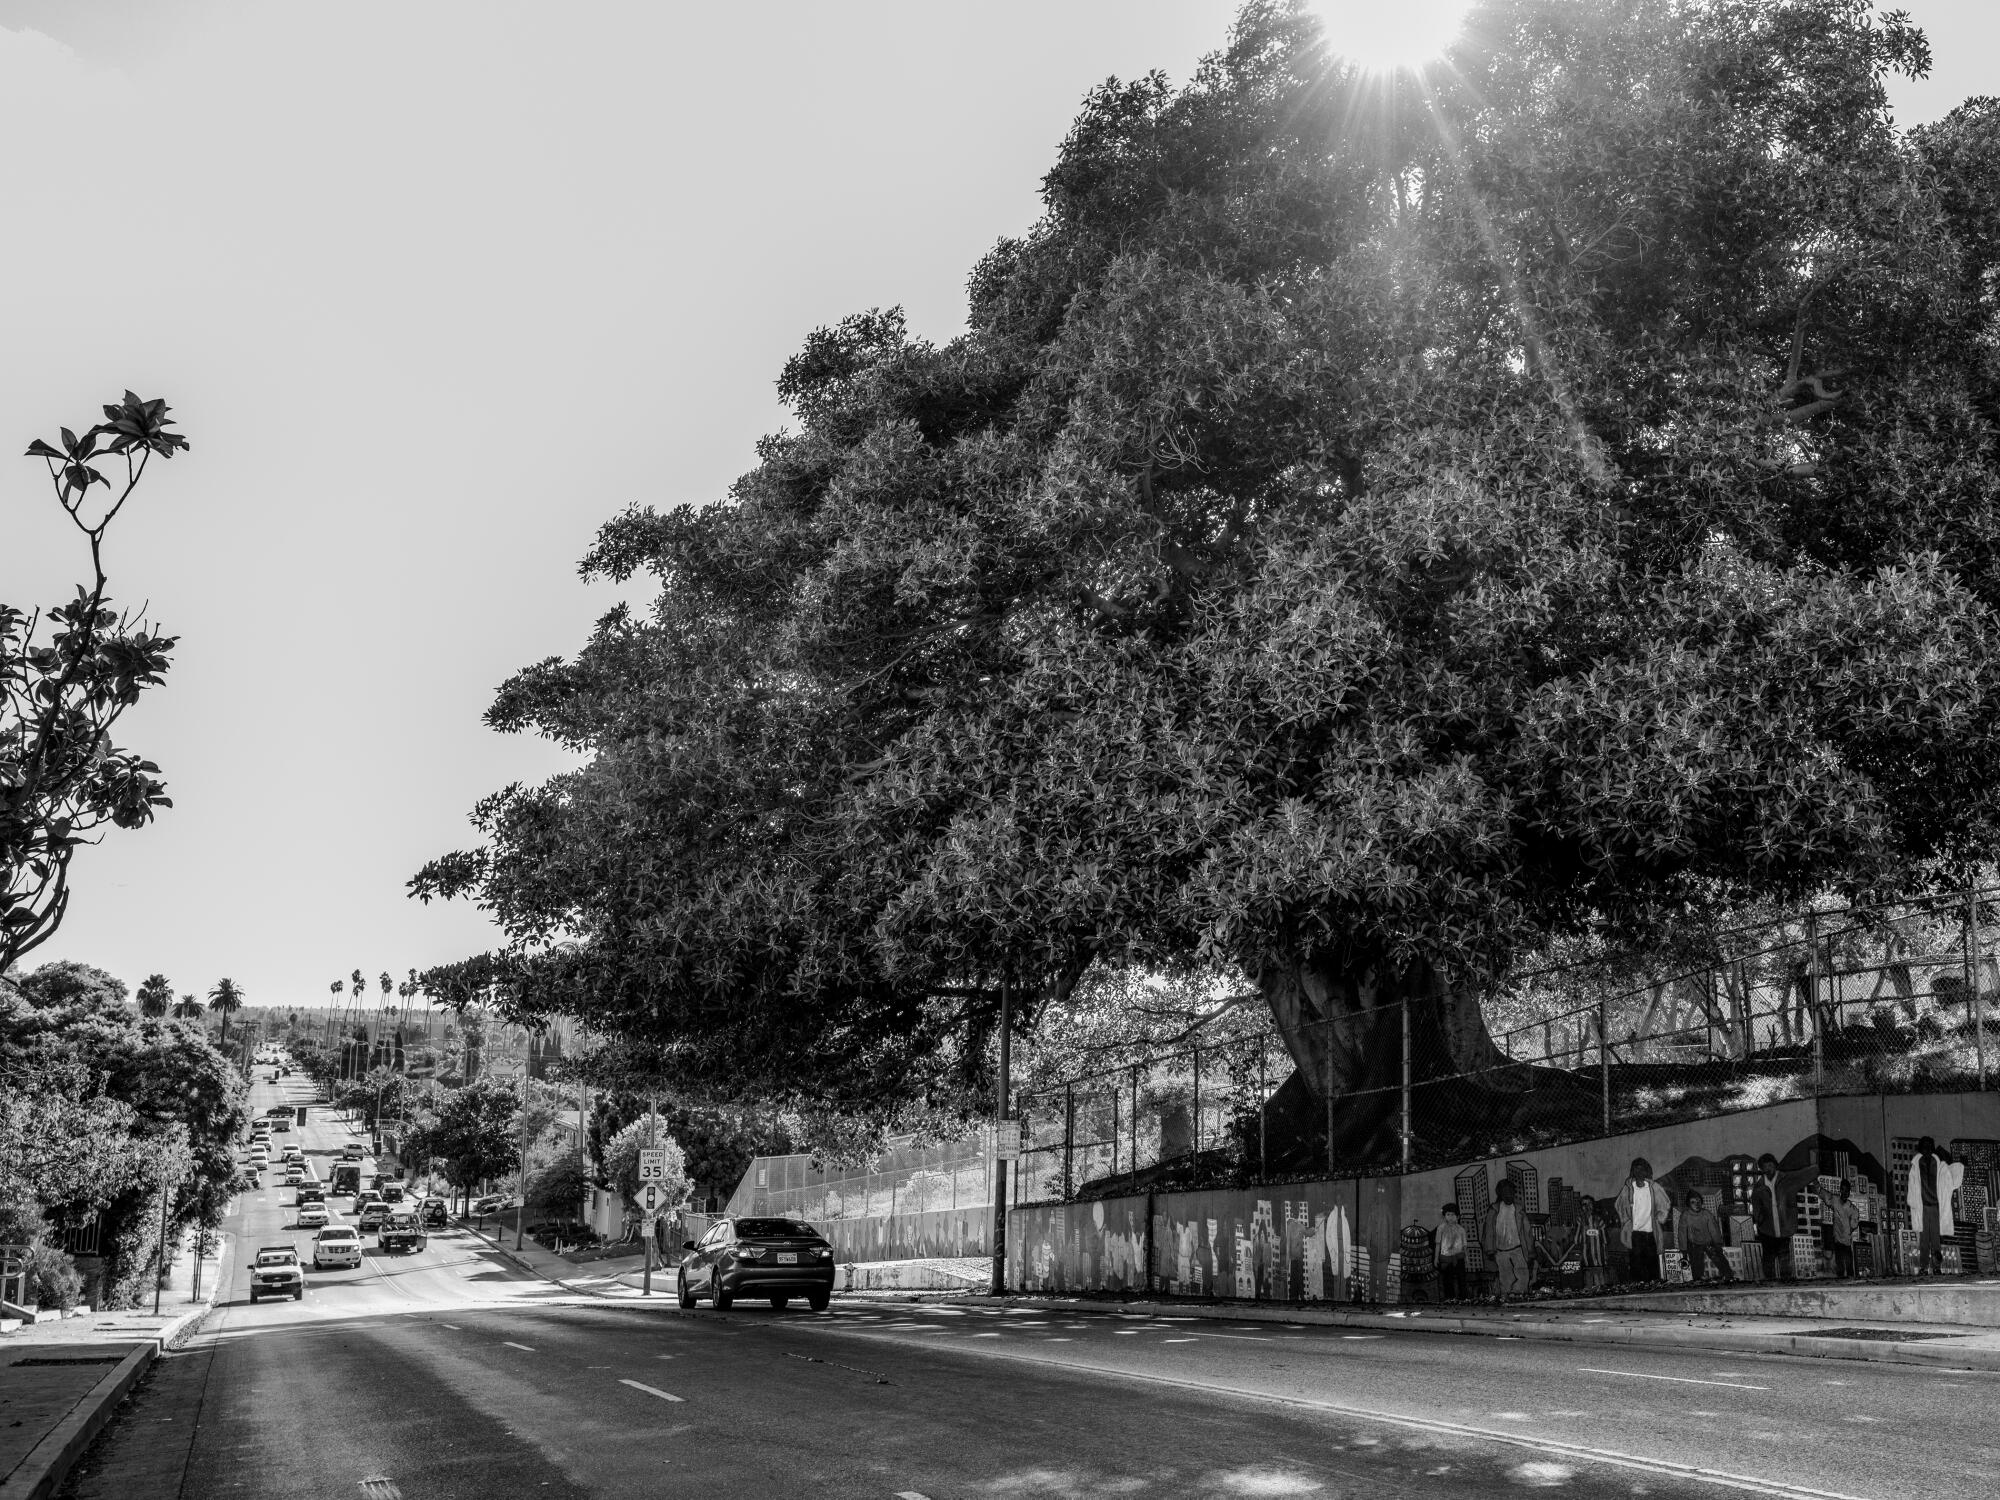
point(1934, 1176)
point(1842, 1226)
point(1503, 1235)
point(1645, 1212)
point(1448, 1242)
point(1701, 1238)
point(1773, 1217)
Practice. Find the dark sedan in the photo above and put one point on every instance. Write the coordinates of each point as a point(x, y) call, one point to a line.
point(778, 1259)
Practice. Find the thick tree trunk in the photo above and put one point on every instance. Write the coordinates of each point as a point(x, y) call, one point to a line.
point(1345, 1033)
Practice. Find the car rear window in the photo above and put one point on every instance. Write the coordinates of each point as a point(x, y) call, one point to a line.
point(774, 1229)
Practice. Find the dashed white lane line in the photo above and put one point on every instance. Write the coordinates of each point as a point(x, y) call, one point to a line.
point(1177, 1341)
point(512, 1345)
point(1728, 1385)
point(651, 1390)
point(910, 1495)
point(380, 1487)
point(452, 1326)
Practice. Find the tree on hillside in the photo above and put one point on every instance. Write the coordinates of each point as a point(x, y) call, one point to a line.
point(67, 676)
point(156, 995)
point(225, 1000)
point(1369, 528)
point(189, 1008)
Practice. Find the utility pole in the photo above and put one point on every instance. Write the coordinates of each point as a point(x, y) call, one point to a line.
point(521, 1198)
point(1000, 1162)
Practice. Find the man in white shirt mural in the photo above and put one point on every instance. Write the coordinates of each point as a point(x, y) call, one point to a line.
point(1644, 1210)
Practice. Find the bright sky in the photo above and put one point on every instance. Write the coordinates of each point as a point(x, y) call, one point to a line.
point(436, 288)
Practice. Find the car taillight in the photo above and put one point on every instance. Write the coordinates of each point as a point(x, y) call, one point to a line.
point(749, 1252)
point(824, 1253)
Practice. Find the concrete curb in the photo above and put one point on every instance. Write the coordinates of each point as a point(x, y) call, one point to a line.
point(48, 1463)
point(1933, 1354)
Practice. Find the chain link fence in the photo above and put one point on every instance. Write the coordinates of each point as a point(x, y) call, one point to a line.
point(1885, 998)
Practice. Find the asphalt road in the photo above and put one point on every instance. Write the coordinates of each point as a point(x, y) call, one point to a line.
point(447, 1374)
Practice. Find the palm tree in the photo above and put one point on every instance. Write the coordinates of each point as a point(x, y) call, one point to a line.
point(156, 995)
point(337, 987)
point(189, 1009)
point(225, 1000)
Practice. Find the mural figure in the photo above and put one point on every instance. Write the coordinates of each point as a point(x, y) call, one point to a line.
point(1701, 1239)
point(1449, 1248)
point(1645, 1212)
point(1503, 1235)
point(1773, 1219)
point(1934, 1177)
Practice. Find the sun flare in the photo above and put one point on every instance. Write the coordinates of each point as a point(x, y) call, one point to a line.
point(1389, 34)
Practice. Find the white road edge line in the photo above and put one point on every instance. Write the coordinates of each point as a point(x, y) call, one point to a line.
point(910, 1495)
point(1727, 1385)
point(512, 1345)
point(651, 1390)
point(1418, 1424)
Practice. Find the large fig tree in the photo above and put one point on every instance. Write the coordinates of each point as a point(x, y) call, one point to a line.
point(1367, 527)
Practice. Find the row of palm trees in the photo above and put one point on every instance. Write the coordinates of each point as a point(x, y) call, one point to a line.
point(156, 998)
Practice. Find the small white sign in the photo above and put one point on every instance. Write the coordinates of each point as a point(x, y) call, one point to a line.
point(653, 1165)
point(1007, 1140)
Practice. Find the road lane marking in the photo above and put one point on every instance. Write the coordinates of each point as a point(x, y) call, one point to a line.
point(1541, 1445)
point(512, 1345)
point(910, 1495)
point(1177, 1341)
point(1727, 1385)
point(452, 1326)
point(381, 1487)
point(651, 1390)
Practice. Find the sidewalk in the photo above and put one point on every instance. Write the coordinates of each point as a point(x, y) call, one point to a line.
point(614, 1276)
point(1935, 1345)
point(61, 1381)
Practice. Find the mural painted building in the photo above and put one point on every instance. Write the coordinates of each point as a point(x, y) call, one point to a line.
point(1345, 1240)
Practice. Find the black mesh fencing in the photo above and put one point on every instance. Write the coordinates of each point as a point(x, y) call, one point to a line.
point(1889, 998)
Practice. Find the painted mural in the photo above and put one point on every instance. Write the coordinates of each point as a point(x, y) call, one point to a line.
point(1377, 1239)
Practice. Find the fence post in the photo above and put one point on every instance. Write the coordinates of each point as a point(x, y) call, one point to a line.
point(1135, 1117)
point(1329, 1095)
point(1972, 978)
point(1406, 1082)
point(1263, 1098)
point(1197, 1101)
point(1069, 1141)
point(1604, 1058)
point(1812, 1001)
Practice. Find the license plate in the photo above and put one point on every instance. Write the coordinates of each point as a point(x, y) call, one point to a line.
point(788, 1257)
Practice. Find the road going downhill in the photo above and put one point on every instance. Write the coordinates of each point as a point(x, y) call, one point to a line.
point(448, 1374)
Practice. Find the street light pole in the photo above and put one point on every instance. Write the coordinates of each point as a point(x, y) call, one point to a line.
point(1000, 1162)
point(652, 1136)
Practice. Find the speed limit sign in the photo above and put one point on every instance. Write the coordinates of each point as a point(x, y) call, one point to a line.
point(652, 1165)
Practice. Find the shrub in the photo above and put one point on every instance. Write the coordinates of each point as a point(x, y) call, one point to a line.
point(53, 1279)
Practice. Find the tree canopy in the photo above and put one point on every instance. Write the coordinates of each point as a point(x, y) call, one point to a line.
point(1369, 526)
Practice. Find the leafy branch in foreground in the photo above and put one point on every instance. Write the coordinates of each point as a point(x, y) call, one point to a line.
point(66, 677)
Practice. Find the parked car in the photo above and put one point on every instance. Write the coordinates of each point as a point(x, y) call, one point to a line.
point(336, 1245)
point(778, 1259)
point(313, 1216)
point(492, 1203)
point(275, 1273)
point(372, 1215)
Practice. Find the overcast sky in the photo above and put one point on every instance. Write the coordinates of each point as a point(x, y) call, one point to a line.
point(435, 288)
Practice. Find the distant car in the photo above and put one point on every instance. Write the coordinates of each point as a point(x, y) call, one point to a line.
point(295, 1173)
point(311, 1192)
point(492, 1203)
point(278, 1112)
point(281, 1125)
point(275, 1273)
point(336, 1245)
point(372, 1215)
point(293, 1151)
point(778, 1259)
point(400, 1231)
point(313, 1216)
point(392, 1192)
point(352, 1151)
point(433, 1213)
